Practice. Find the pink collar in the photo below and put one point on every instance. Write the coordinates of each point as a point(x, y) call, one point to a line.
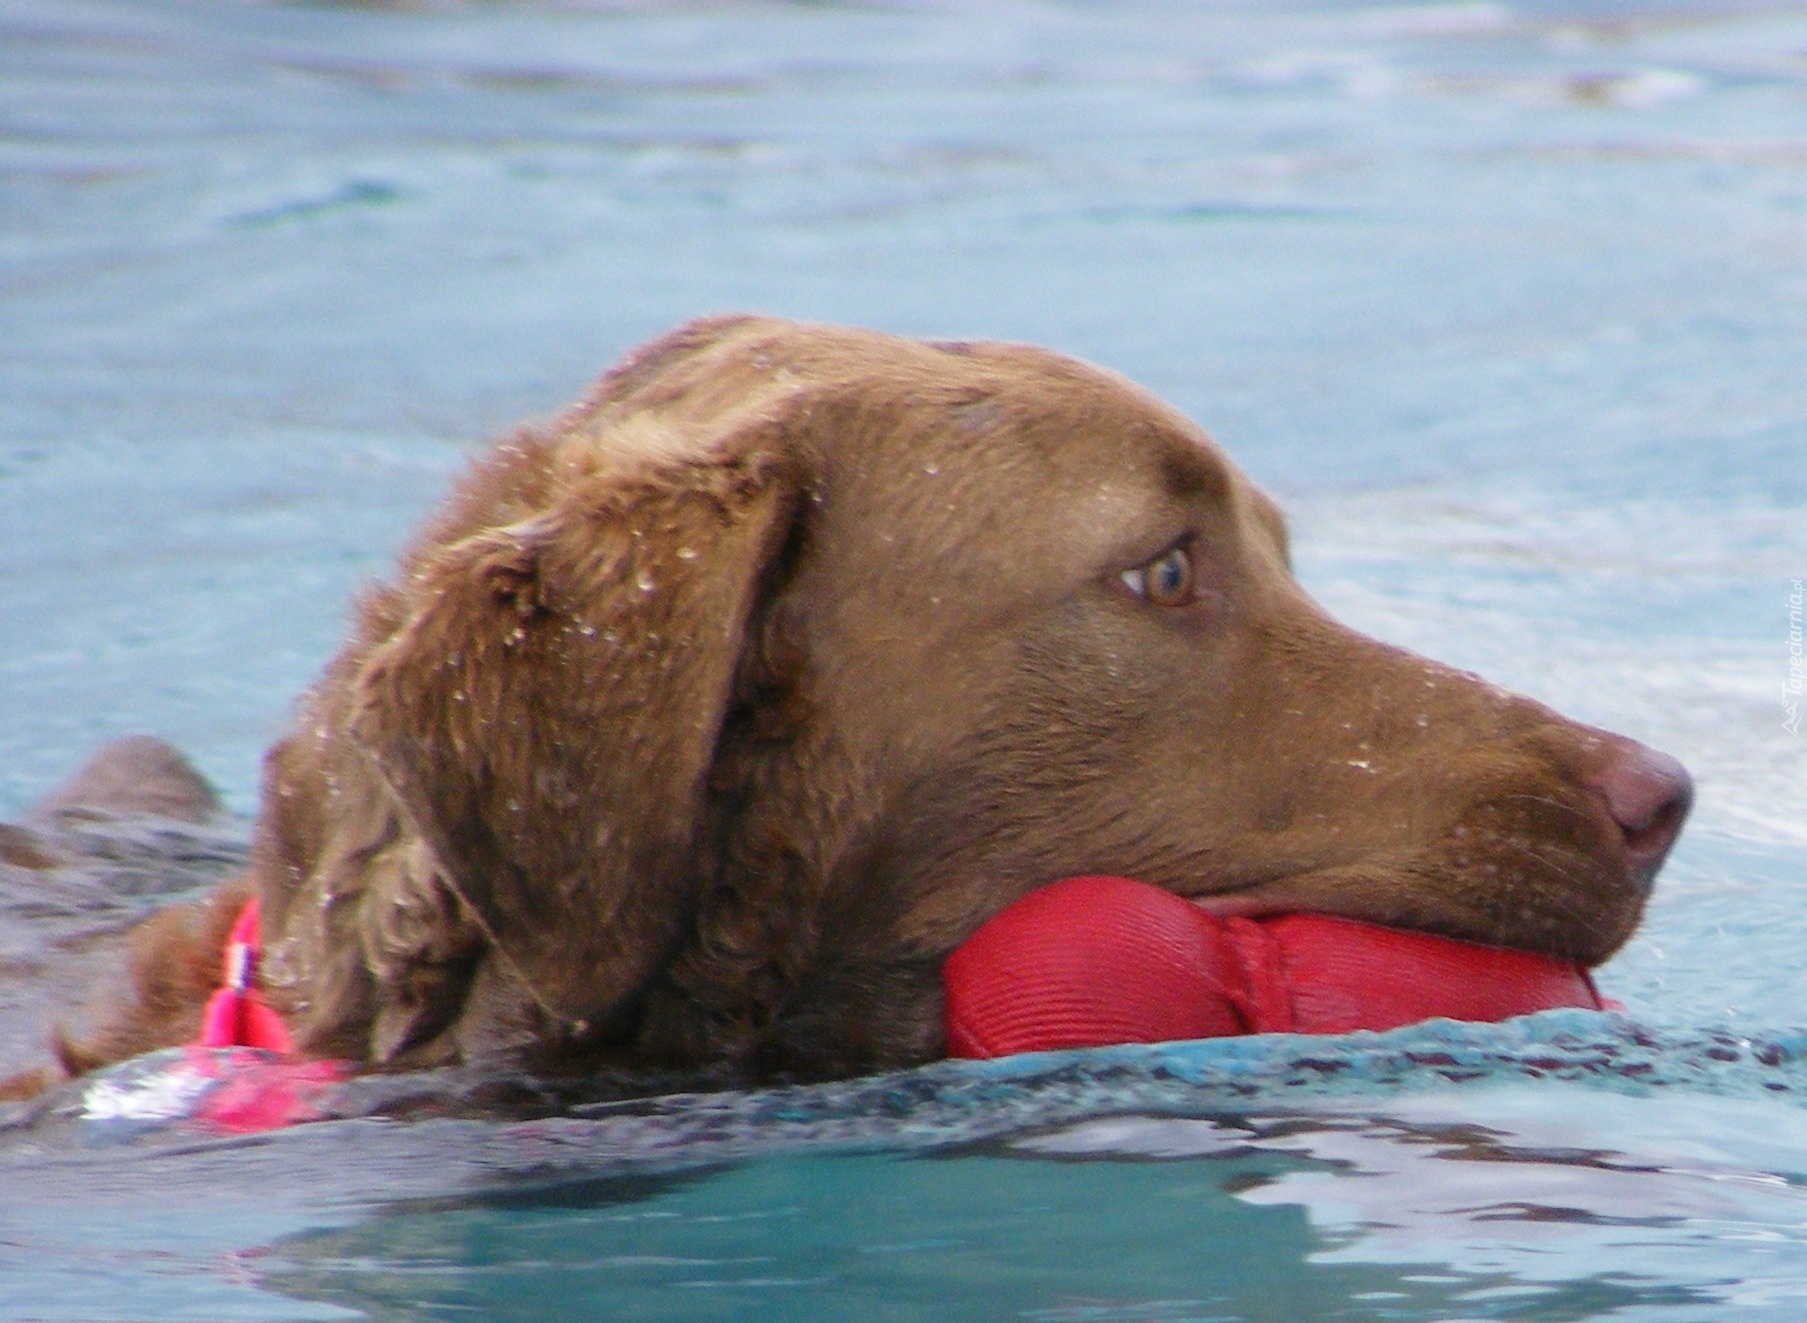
point(236, 1016)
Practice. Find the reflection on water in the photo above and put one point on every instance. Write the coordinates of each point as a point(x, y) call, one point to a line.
point(1270, 1217)
point(980, 1236)
point(1564, 1166)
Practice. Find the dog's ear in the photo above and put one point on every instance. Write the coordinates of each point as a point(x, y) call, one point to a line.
point(548, 706)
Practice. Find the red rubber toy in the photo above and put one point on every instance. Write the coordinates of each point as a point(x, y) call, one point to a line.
point(1092, 961)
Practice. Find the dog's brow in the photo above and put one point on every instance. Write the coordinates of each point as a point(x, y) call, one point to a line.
point(1190, 474)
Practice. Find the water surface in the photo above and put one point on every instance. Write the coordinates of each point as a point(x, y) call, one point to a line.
point(1508, 303)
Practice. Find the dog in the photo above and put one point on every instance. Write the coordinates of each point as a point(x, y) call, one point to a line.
point(699, 726)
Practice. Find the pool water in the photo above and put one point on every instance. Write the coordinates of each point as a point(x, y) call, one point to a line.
point(1507, 303)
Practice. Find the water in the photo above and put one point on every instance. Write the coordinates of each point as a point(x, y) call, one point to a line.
point(1565, 1166)
point(1508, 303)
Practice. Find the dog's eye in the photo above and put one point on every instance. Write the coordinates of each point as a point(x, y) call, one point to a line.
point(1167, 580)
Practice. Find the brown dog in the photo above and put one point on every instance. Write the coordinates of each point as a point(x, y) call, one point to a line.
point(699, 727)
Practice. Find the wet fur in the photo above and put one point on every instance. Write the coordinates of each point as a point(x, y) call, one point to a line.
point(700, 725)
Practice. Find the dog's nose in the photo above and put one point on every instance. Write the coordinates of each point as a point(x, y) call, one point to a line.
point(1648, 795)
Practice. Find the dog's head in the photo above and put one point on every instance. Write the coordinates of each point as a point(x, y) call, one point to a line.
point(746, 691)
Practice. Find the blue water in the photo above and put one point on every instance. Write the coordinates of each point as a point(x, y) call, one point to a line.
point(1507, 302)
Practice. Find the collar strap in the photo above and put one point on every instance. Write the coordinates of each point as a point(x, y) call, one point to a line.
point(236, 1015)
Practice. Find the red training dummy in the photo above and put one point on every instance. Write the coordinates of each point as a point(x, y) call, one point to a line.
point(1092, 961)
